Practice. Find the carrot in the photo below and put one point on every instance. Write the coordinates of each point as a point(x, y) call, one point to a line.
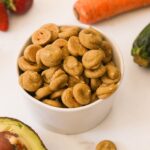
point(92, 11)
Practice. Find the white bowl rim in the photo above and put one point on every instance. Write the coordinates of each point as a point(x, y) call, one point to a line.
point(82, 108)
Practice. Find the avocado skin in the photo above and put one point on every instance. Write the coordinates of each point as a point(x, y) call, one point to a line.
point(13, 120)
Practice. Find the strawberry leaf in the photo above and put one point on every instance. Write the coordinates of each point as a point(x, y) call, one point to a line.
point(9, 4)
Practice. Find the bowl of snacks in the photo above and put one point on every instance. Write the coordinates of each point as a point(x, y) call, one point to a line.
point(70, 75)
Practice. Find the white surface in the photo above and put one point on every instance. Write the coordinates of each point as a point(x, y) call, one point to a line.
point(128, 125)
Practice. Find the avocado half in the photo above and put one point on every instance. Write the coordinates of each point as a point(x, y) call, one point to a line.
point(16, 135)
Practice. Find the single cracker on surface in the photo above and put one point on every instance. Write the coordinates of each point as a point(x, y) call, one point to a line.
point(106, 145)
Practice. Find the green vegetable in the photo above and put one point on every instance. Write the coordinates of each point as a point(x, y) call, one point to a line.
point(141, 48)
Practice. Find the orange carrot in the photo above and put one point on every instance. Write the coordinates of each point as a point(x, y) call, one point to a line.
point(92, 11)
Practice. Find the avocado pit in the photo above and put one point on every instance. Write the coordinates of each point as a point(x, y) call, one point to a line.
point(10, 141)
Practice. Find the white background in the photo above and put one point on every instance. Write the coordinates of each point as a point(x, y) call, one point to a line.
point(128, 124)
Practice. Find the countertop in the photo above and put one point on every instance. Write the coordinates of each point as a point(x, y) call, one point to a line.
point(128, 124)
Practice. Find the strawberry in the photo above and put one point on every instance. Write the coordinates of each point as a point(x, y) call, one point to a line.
point(19, 6)
point(4, 22)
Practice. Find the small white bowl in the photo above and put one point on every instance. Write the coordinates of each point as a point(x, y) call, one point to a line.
point(73, 120)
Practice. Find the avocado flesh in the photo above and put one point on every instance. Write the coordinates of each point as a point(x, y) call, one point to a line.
point(26, 135)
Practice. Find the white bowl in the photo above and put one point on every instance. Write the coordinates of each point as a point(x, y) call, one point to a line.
point(73, 120)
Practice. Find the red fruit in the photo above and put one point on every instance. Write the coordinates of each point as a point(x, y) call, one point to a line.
point(19, 6)
point(4, 22)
